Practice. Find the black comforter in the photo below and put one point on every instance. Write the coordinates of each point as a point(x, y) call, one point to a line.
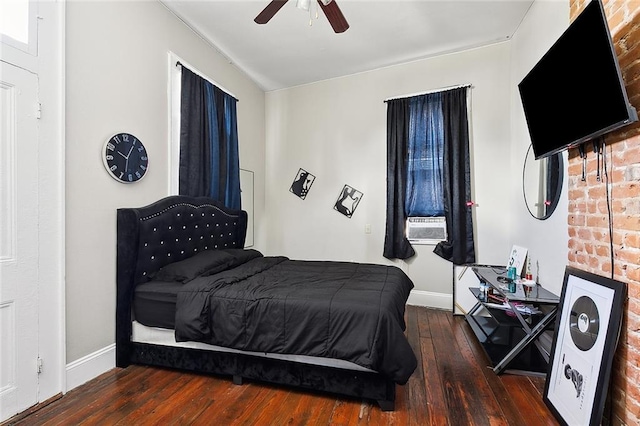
point(347, 311)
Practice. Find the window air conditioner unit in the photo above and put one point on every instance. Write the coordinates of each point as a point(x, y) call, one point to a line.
point(426, 230)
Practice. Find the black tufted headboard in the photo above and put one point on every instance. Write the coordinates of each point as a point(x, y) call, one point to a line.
point(169, 230)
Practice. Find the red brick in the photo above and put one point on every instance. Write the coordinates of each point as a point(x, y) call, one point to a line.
point(630, 223)
point(634, 292)
point(585, 234)
point(625, 190)
point(598, 221)
point(577, 220)
point(597, 192)
point(632, 239)
point(602, 251)
point(633, 274)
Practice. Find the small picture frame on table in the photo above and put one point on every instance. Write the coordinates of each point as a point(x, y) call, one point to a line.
point(587, 330)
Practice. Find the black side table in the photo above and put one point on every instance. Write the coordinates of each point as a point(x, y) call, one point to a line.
point(507, 332)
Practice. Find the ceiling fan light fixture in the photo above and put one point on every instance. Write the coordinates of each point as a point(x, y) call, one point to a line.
point(303, 4)
point(329, 8)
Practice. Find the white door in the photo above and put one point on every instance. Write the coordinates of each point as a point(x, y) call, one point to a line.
point(18, 240)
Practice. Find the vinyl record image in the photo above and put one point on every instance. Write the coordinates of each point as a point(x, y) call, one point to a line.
point(584, 323)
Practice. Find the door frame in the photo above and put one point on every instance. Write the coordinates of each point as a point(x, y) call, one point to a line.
point(51, 197)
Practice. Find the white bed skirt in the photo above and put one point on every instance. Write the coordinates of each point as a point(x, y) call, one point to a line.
point(165, 337)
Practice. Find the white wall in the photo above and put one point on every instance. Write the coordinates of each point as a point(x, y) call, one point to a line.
point(336, 130)
point(117, 81)
point(546, 240)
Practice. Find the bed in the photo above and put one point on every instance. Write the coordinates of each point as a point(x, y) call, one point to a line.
point(190, 296)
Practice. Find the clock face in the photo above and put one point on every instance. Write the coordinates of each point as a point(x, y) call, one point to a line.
point(125, 158)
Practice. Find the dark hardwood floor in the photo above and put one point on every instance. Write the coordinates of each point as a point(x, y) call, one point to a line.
point(451, 386)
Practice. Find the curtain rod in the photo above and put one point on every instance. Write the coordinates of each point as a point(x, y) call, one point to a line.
point(195, 71)
point(442, 89)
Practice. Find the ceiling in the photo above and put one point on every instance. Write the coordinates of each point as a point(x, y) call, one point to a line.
point(288, 51)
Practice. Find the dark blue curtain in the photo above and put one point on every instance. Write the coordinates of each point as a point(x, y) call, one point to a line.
point(424, 193)
point(209, 163)
point(396, 245)
point(459, 247)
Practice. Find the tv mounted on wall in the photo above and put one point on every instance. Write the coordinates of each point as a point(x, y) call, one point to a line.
point(575, 93)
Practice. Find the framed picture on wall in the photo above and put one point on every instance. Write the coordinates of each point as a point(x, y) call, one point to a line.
point(587, 330)
point(348, 200)
point(302, 183)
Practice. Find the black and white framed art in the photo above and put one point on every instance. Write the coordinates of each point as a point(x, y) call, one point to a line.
point(302, 183)
point(348, 200)
point(587, 330)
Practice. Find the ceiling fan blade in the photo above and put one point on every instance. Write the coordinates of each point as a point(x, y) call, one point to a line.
point(268, 12)
point(335, 16)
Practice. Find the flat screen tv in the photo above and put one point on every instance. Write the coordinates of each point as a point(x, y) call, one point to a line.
point(575, 93)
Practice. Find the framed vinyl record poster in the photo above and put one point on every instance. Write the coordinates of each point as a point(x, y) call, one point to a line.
point(587, 330)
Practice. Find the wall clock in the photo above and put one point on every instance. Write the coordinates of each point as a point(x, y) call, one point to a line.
point(125, 158)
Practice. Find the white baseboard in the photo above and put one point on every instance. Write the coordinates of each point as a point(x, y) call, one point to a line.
point(90, 366)
point(430, 299)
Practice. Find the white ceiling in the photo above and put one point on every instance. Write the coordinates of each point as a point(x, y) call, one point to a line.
point(287, 51)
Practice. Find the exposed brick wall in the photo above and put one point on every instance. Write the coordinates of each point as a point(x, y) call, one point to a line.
point(588, 216)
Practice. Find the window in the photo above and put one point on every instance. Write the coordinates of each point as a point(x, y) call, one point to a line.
point(18, 24)
point(424, 192)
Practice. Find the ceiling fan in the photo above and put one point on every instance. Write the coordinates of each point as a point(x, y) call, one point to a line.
point(329, 7)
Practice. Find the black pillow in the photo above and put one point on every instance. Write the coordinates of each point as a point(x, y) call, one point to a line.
point(242, 255)
point(204, 263)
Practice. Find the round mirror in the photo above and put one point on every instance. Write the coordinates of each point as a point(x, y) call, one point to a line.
point(542, 184)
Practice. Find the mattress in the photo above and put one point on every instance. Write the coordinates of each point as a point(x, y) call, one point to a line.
point(154, 303)
point(165, 337)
